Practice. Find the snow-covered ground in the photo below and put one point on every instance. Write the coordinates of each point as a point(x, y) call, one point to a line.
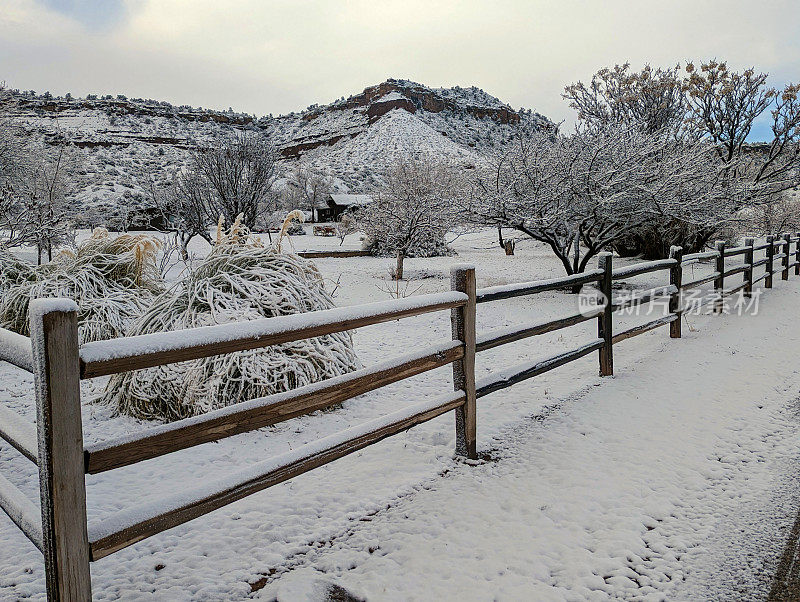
point(671, 480)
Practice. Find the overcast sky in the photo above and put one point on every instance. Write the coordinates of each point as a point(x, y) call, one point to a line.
point(276, 56)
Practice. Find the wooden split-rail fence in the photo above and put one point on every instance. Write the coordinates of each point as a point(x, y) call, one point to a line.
point(60, 528)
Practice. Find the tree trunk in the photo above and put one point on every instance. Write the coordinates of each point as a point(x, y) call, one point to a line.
point(398, 272)
point(500, 238)
point(509, 247)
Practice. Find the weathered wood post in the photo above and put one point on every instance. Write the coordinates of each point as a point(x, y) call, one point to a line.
point(787, 238)
point(770, 255)
point(719, 281)
point(462, 319)
point(54, 332)
point(748, 273)
point(797, 255)
point(675, 278)
point(604, 321)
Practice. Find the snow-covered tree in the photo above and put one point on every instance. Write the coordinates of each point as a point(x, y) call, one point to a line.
point(724, 105)
point(37, 187)
point(240, 173)
point(780, 213)
point(652, 98)
point(47, 199)
point(185, 207)
point(582, 193)
point(412, 211)
point(712, 103)
point(308, 188)
point(347, 225)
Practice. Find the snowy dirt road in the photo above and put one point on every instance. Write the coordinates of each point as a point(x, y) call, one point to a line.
point(674, 480)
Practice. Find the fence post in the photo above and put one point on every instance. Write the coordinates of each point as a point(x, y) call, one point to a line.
point(797, 255)
point(787, 252)
point(462, 319)
point(748, 273)
point(770, 254)
point(604, 321)
point(719, 282)
point(676, 279)
point(62, 484)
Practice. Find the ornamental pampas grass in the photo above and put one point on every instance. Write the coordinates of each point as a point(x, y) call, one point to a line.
point(113, 280)
point(239, 280)
point(13, 271)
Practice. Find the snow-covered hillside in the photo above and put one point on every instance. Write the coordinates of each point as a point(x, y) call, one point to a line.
point(129, 142)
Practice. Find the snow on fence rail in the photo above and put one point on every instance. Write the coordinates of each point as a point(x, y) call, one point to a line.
point(264, 411)
point(69, 542)
point(112, 356)
point(16, 349)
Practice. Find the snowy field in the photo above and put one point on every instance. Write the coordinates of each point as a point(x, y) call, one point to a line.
point(670, 481)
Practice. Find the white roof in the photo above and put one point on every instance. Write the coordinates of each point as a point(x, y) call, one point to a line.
point(348, 200)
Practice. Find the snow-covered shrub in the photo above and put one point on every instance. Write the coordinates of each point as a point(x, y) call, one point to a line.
point(113, 280)
point(239, 280)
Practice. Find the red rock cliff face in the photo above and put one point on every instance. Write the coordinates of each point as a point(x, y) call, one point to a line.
point(417, 96)
point(408, 96)
point(376, 109)
point(123, 107)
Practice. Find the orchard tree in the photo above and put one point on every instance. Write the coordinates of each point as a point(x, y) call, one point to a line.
point(724, 105)
point(309, 188)
point(46, 197)
point(581, 194)
point(709, 103)
point(15, 163)
point(240, 173)
point(347, 224)
point(653, 99)
point(37, 187)
point(185, 206)
point(234, 177)
point(782, 214)
point(412, 210)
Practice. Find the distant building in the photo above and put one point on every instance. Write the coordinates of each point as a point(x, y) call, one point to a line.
point(337, 204)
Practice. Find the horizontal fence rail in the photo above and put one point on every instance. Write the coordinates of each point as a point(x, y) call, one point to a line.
point(20, 433)
point(642, 328)
point(16, 349)
point(645, 297)
point(333, 254)
point(148, 350)
point(55, 443)
point(735, 269)
point(258, 413)
point(700, 256)
point(516, 374)
point(495, 338)
point(701, 281)
point(21, 511)
point(495, 293)
point(736, 251)
point(128, 527)
point(643, 268)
